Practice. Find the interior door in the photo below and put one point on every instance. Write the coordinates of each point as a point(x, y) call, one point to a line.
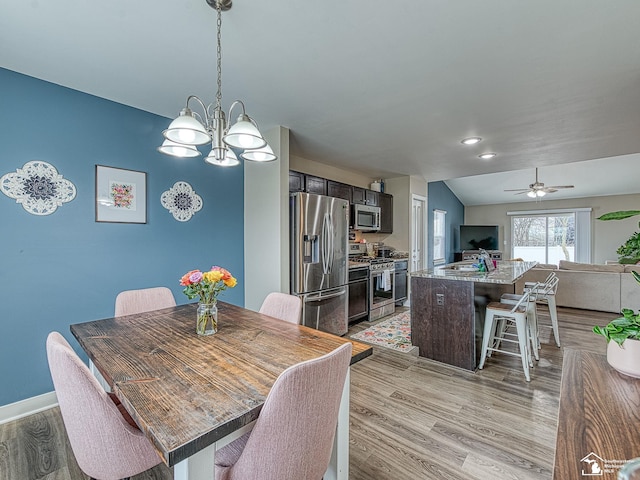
point(418, 232)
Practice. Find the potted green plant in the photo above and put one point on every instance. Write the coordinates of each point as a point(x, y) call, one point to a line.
point(629, 252)
point(623, 340)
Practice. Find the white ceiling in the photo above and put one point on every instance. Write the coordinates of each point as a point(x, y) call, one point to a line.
point(384, 88)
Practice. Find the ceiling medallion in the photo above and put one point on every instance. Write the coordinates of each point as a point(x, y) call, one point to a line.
point(38, 187)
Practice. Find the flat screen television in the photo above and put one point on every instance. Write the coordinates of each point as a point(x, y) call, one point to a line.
point(474, 237)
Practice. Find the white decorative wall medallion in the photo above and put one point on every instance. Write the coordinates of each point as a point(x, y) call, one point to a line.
point(181, 201)
point(38, 187)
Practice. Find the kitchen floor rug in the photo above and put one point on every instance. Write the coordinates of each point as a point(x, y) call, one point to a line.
point(394, 333)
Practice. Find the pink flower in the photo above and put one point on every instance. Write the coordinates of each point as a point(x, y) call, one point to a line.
point(195, 277)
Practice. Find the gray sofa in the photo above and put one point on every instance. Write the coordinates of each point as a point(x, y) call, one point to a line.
point(607, 288)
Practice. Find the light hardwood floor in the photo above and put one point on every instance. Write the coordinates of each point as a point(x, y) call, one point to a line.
point(411, 418)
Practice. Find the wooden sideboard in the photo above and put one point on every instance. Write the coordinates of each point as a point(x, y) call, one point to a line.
point(599, 418)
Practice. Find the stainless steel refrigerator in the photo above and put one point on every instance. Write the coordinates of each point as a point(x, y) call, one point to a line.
point(319, 260)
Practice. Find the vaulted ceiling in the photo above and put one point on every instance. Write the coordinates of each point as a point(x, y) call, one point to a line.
point(385, 88)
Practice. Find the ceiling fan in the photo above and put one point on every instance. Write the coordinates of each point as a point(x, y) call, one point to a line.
point(537, 189)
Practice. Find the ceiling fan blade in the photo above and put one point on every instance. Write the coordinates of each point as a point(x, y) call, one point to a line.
point(522, 193)
point(549, 190)
point(561, 186)
point(518, 190)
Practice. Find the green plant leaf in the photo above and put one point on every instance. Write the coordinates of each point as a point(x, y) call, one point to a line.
point(621, 215)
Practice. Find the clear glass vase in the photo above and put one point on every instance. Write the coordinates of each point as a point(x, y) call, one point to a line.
point(207, 320)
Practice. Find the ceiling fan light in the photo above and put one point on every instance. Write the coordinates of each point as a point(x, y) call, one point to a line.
point(178, 150)
point(244, 135)
point(264, 154)
point(186, 129)
point(541, 193)
point(471, 140)
point(531, 194)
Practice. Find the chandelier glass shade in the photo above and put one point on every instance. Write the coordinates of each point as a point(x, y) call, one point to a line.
point(190, 129)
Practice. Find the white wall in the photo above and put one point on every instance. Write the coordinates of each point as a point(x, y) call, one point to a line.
point(606, 236)
point(266, 222)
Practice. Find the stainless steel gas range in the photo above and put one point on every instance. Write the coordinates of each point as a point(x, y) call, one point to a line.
point(381, 288)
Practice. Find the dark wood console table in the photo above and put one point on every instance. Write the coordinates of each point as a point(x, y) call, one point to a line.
point(599, 417)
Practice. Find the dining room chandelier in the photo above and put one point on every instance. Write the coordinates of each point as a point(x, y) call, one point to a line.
point(190, 129)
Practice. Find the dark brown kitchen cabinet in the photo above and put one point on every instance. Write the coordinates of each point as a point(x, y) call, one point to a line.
point(385, 202)
point(339, 190)
point(316, 185)
point(296, 181)
point(362, 196)
point(357, 196)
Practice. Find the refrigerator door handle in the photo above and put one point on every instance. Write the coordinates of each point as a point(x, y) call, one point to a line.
point(326, 245)
point(319, 298)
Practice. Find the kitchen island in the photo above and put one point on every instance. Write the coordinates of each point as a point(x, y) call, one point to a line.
point(448, 305)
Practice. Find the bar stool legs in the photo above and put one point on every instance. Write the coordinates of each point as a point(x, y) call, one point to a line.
point(553, 313)
point(494, 333)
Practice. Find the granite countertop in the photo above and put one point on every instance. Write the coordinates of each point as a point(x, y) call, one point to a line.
point(505, 273)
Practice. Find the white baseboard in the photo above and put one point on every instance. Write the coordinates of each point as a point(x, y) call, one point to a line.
point(29, 406)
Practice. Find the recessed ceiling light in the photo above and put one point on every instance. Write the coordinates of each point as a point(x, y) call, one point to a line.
point(488, 155)
point(471, 141)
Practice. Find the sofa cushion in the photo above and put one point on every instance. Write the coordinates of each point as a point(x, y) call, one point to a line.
point(590, 267)
point(546, 266)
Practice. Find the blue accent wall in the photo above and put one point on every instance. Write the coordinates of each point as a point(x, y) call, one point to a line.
point(441, 198)
point(66, 268)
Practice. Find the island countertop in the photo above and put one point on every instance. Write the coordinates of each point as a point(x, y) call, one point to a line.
point(507, 272)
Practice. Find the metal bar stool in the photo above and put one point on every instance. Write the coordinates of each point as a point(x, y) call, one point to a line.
point(495, 331)
point(532, 317)
point(546, 293)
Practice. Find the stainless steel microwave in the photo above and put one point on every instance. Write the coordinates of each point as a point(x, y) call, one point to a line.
point(365, 218)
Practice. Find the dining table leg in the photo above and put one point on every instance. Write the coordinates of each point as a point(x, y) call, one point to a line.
point(199, 466)
point(339, 463)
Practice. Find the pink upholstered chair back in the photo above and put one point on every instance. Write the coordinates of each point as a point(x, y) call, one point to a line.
point(293, 436)
point(104, 444)
point(130, 302)
point(283, 306)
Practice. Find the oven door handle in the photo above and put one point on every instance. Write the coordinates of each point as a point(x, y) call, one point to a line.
point(319, 298)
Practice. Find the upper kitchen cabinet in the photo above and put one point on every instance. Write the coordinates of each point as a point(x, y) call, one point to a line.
point(385, 202)
point(296, 181)
point(315, 185)
point(301, 182)
point(339, 190)
point(363, 196)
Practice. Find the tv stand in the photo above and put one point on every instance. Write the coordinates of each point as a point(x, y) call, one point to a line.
point(474, 254)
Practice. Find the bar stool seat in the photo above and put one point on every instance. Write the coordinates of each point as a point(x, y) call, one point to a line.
point(498, 316)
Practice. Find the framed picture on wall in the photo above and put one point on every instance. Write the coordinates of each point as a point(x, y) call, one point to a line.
point(121, 195)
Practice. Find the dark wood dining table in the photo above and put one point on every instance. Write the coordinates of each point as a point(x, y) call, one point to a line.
point(598, 418)
point(193, 394)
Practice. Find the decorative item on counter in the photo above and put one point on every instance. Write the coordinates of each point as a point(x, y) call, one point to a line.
point(623, 353)
point(38, 187)
point(207, 286)
point(182, 201)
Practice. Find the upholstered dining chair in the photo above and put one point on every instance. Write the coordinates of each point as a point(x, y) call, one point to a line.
point(130, 302)
point(283, 306)
point(105, 444)
point(293, 436)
